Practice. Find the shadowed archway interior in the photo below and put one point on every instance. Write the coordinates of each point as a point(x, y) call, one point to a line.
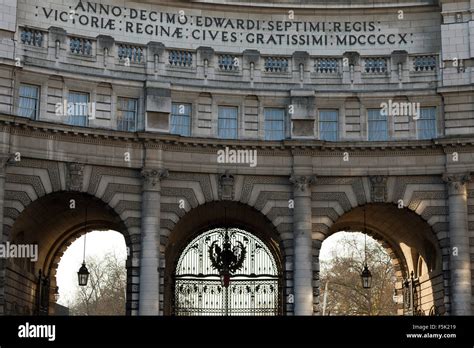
point(410, 242)
point(52, 222)
point(217, 215)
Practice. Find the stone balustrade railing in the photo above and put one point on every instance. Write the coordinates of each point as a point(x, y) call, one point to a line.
point(188, 60)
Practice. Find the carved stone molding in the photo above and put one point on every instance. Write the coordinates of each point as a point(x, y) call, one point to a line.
point(302, 183)
point(378, 188)
point(206, 52)
point(152, 178)
point(226, 186)
point(252, 56)
point(457, 182)
point(75, 176)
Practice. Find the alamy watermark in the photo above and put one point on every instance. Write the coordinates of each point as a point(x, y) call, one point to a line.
point(19, 251)
point(75, 109)
point(231, 156)
point(401, 109)
point(28, 330)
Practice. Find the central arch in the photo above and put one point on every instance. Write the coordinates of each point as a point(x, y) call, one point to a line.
point(199, 289)
point(208, 220)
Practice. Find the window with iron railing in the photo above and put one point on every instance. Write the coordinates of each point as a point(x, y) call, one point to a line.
point(127, 114)
point(326, 65)
point(276, 64)
point(134, 54)
point(228, 62)
point(424, 63)
point(375, 65)
point(80, 46)
point(180, 58)
point(32, 37)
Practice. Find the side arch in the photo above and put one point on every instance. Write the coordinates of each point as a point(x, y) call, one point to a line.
point(53, 222)
point(408, 238)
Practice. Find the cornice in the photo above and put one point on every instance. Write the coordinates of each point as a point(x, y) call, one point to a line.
point(240, 5)
point(104, 137)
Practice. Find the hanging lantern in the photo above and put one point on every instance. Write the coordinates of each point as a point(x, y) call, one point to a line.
point(366, 278)
point(56, 294)
point(83, 275)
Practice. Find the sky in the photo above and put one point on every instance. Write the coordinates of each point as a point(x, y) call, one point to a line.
point(103, 242)
point(97, 244)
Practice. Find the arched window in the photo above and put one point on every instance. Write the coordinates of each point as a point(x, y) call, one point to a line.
point(252, 289)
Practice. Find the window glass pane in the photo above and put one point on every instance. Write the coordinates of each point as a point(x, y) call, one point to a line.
point(377, 125)
point(328, 125)
point(126, 114)
point(227, 122)
point(28, 101)
point(426, 124)
point(181, 119)
point(78, 109)
point(274, 124)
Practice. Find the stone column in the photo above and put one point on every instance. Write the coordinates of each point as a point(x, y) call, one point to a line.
point(149, 300)
point(4, 161)
point(459, 265)
point(302, 243)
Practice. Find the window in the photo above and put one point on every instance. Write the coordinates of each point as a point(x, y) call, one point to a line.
point(426, 124)
point(181, 119)
point(28, 101)
point(127, 114)
point(328, 125)
point(274, 124)
point(78, 109)
point(180, 58)
point(227, 122)
point(377, 125)
point(375, 65)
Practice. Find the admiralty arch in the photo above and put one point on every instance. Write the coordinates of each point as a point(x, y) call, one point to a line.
point(192, 124)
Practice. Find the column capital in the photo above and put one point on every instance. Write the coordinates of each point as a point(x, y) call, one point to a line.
point(152, 178)
point(457, 182)
point(302, 183)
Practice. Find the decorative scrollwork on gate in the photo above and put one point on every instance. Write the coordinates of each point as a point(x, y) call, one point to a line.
point(252, 286)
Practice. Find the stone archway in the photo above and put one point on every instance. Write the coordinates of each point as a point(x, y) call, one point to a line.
point(53, 222)
point(411, 244)
point(215, 215)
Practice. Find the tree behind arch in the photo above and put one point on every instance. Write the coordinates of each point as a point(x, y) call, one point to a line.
point(345, 295)
point(105, 293)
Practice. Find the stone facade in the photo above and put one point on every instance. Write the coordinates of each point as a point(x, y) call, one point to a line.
point(159, 189)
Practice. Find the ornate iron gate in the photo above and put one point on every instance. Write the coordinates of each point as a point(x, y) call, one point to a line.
point(253, 289)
